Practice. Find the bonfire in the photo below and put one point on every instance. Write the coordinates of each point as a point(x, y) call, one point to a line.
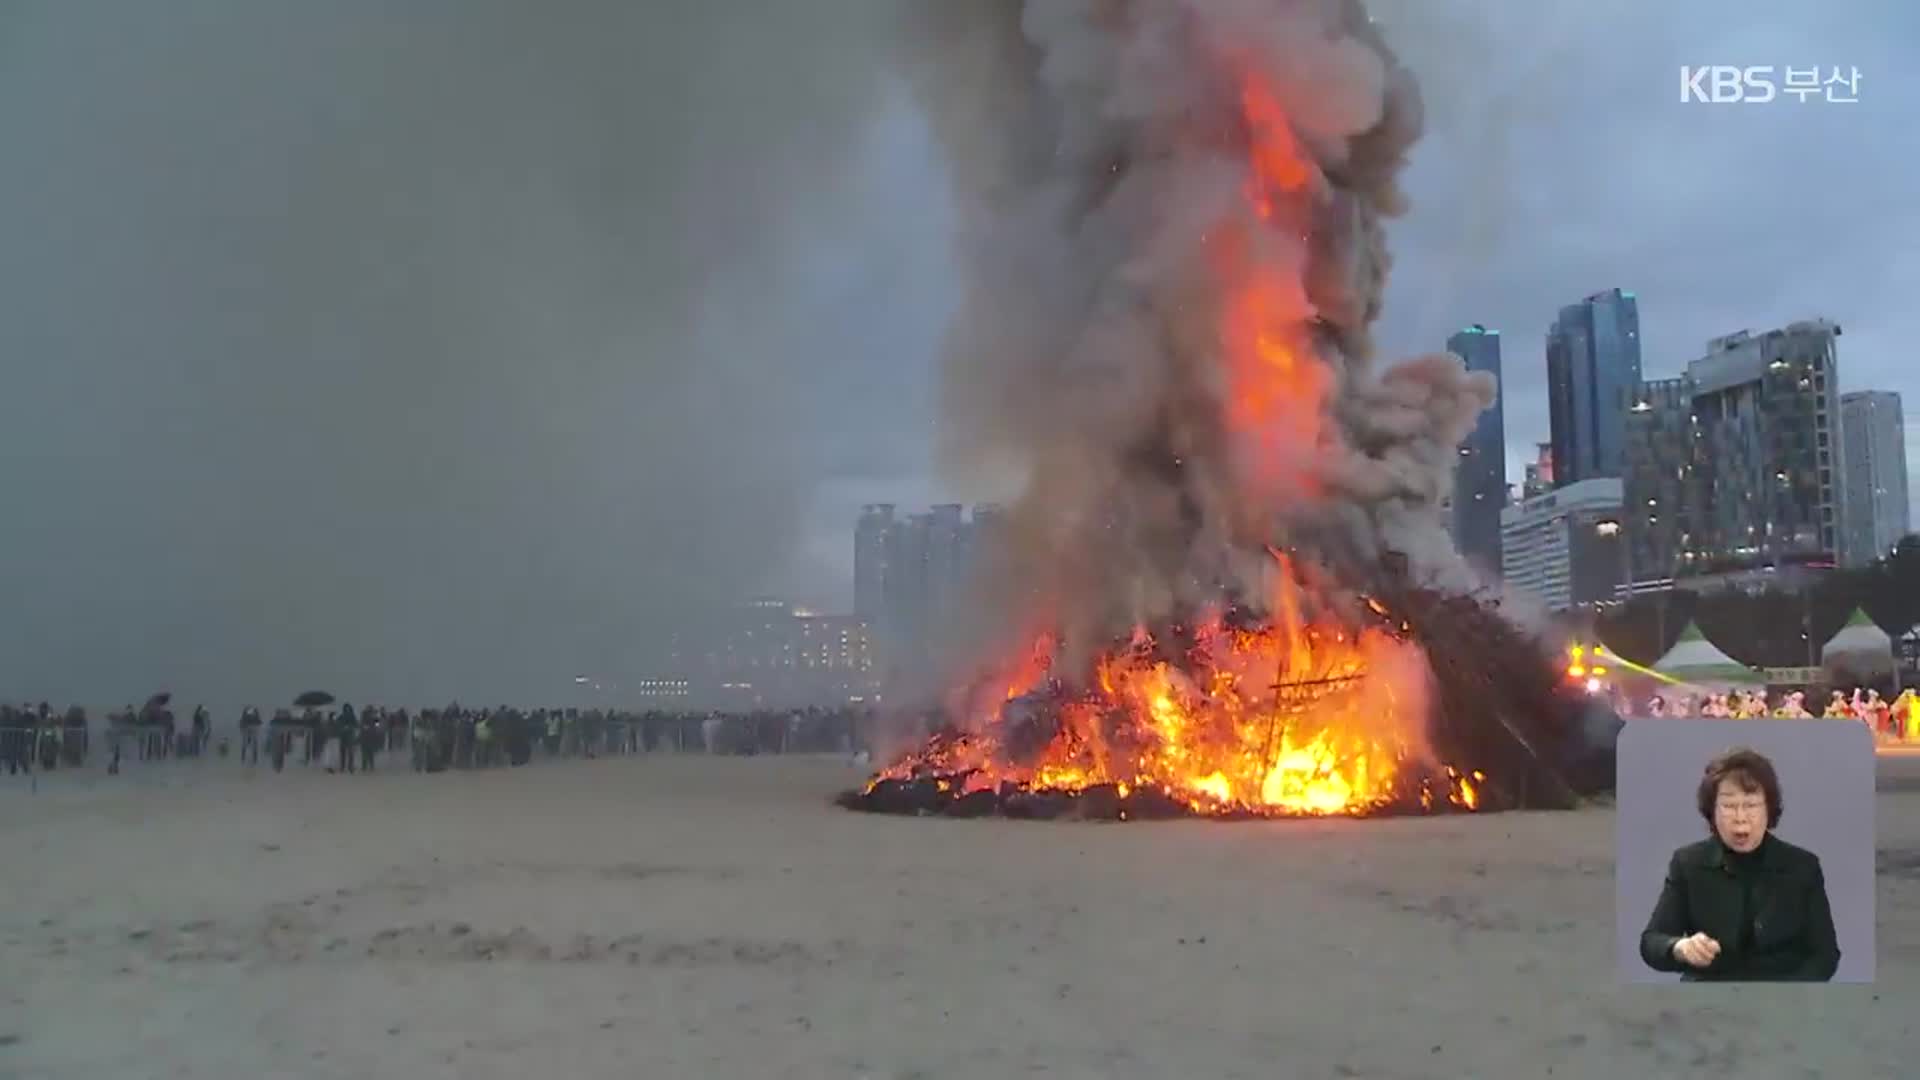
point(1247, 716)
point(1235, 594)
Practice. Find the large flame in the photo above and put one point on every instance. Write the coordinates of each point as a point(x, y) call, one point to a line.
point(1291, 717)
point(1305, 711)
point(1276, 388)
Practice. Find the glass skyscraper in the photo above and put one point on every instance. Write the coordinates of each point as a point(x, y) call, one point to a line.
point(1480, 483)
point(1593, 371)
point(1873, 429)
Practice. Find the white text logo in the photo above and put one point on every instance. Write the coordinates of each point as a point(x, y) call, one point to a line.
point(1727, 84)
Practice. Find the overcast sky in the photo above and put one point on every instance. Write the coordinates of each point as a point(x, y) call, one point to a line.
point(457, 348)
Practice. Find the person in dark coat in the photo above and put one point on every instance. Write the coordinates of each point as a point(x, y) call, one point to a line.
point(346, 728)
point(316, 734)
point(250, 735)
point(1743, 904)
point(46, 738)
point(372, 737)
point(202, 728)
point(13, 740)
point(74, 743)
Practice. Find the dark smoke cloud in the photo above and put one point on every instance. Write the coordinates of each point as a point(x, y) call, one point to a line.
point(1087, 355)
point(409, 350)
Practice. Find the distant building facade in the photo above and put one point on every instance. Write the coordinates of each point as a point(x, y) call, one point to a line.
point(1593, 368)
point(767, 654)
point(662, 692)
point(913, 574)
point(1480, 481)
point(1538, 476)
point(1660, 486)
point(1875, 452)
point(1566, 547)
point(1769, 409)
point(1735, 469)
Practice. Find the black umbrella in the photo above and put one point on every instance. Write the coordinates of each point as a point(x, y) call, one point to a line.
point(313, 699)
point(159, 699)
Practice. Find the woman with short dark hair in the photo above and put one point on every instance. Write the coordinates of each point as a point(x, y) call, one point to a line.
point(1743, 904)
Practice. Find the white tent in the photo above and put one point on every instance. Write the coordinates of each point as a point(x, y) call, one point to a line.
point(1694, 659)
point(1860, 647)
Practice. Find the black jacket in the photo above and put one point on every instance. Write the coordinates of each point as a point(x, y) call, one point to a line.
point(1793, 937)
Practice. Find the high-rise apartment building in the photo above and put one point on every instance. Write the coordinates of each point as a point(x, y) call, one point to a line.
point(1769, 409)
point(871, 568)
point(946, 555)
point(1662, 469)
point(1737, 465)
point(912, 576)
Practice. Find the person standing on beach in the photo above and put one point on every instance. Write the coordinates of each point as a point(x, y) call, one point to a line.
point(13, 738)
point(483, 740)
point(464, 727)
point(316, 734)
point(250, 735)
point(347, 730)
point(38, 747)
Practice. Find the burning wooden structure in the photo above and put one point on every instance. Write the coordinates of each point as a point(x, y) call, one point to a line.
point(1169, 726)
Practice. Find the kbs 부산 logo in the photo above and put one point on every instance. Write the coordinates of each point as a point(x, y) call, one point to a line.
point(1729, 84)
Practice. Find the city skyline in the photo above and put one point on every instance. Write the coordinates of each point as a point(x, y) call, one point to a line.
point(1463, 253)
point(497, 340)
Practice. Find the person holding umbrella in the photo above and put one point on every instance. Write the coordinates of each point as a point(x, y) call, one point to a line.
point(310, 703)
point(154, 724)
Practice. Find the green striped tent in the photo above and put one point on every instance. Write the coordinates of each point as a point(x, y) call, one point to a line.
point(1694, 659)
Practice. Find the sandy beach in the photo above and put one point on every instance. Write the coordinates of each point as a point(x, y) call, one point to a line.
point(693, 917)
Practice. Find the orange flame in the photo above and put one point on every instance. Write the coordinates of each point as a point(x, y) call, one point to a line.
point(1277, 164)
point(1277, 388)
point(1291, 718)
point(1302, 715)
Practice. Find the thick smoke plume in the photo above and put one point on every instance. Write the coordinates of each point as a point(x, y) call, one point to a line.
point(1172, 219)
point(419, 351)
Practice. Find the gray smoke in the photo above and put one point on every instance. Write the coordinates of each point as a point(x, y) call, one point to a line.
point(1100, 150)
point(412, 351)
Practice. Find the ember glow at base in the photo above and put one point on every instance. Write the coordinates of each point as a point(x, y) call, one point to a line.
point(1279, 716)
point(1228, 589)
